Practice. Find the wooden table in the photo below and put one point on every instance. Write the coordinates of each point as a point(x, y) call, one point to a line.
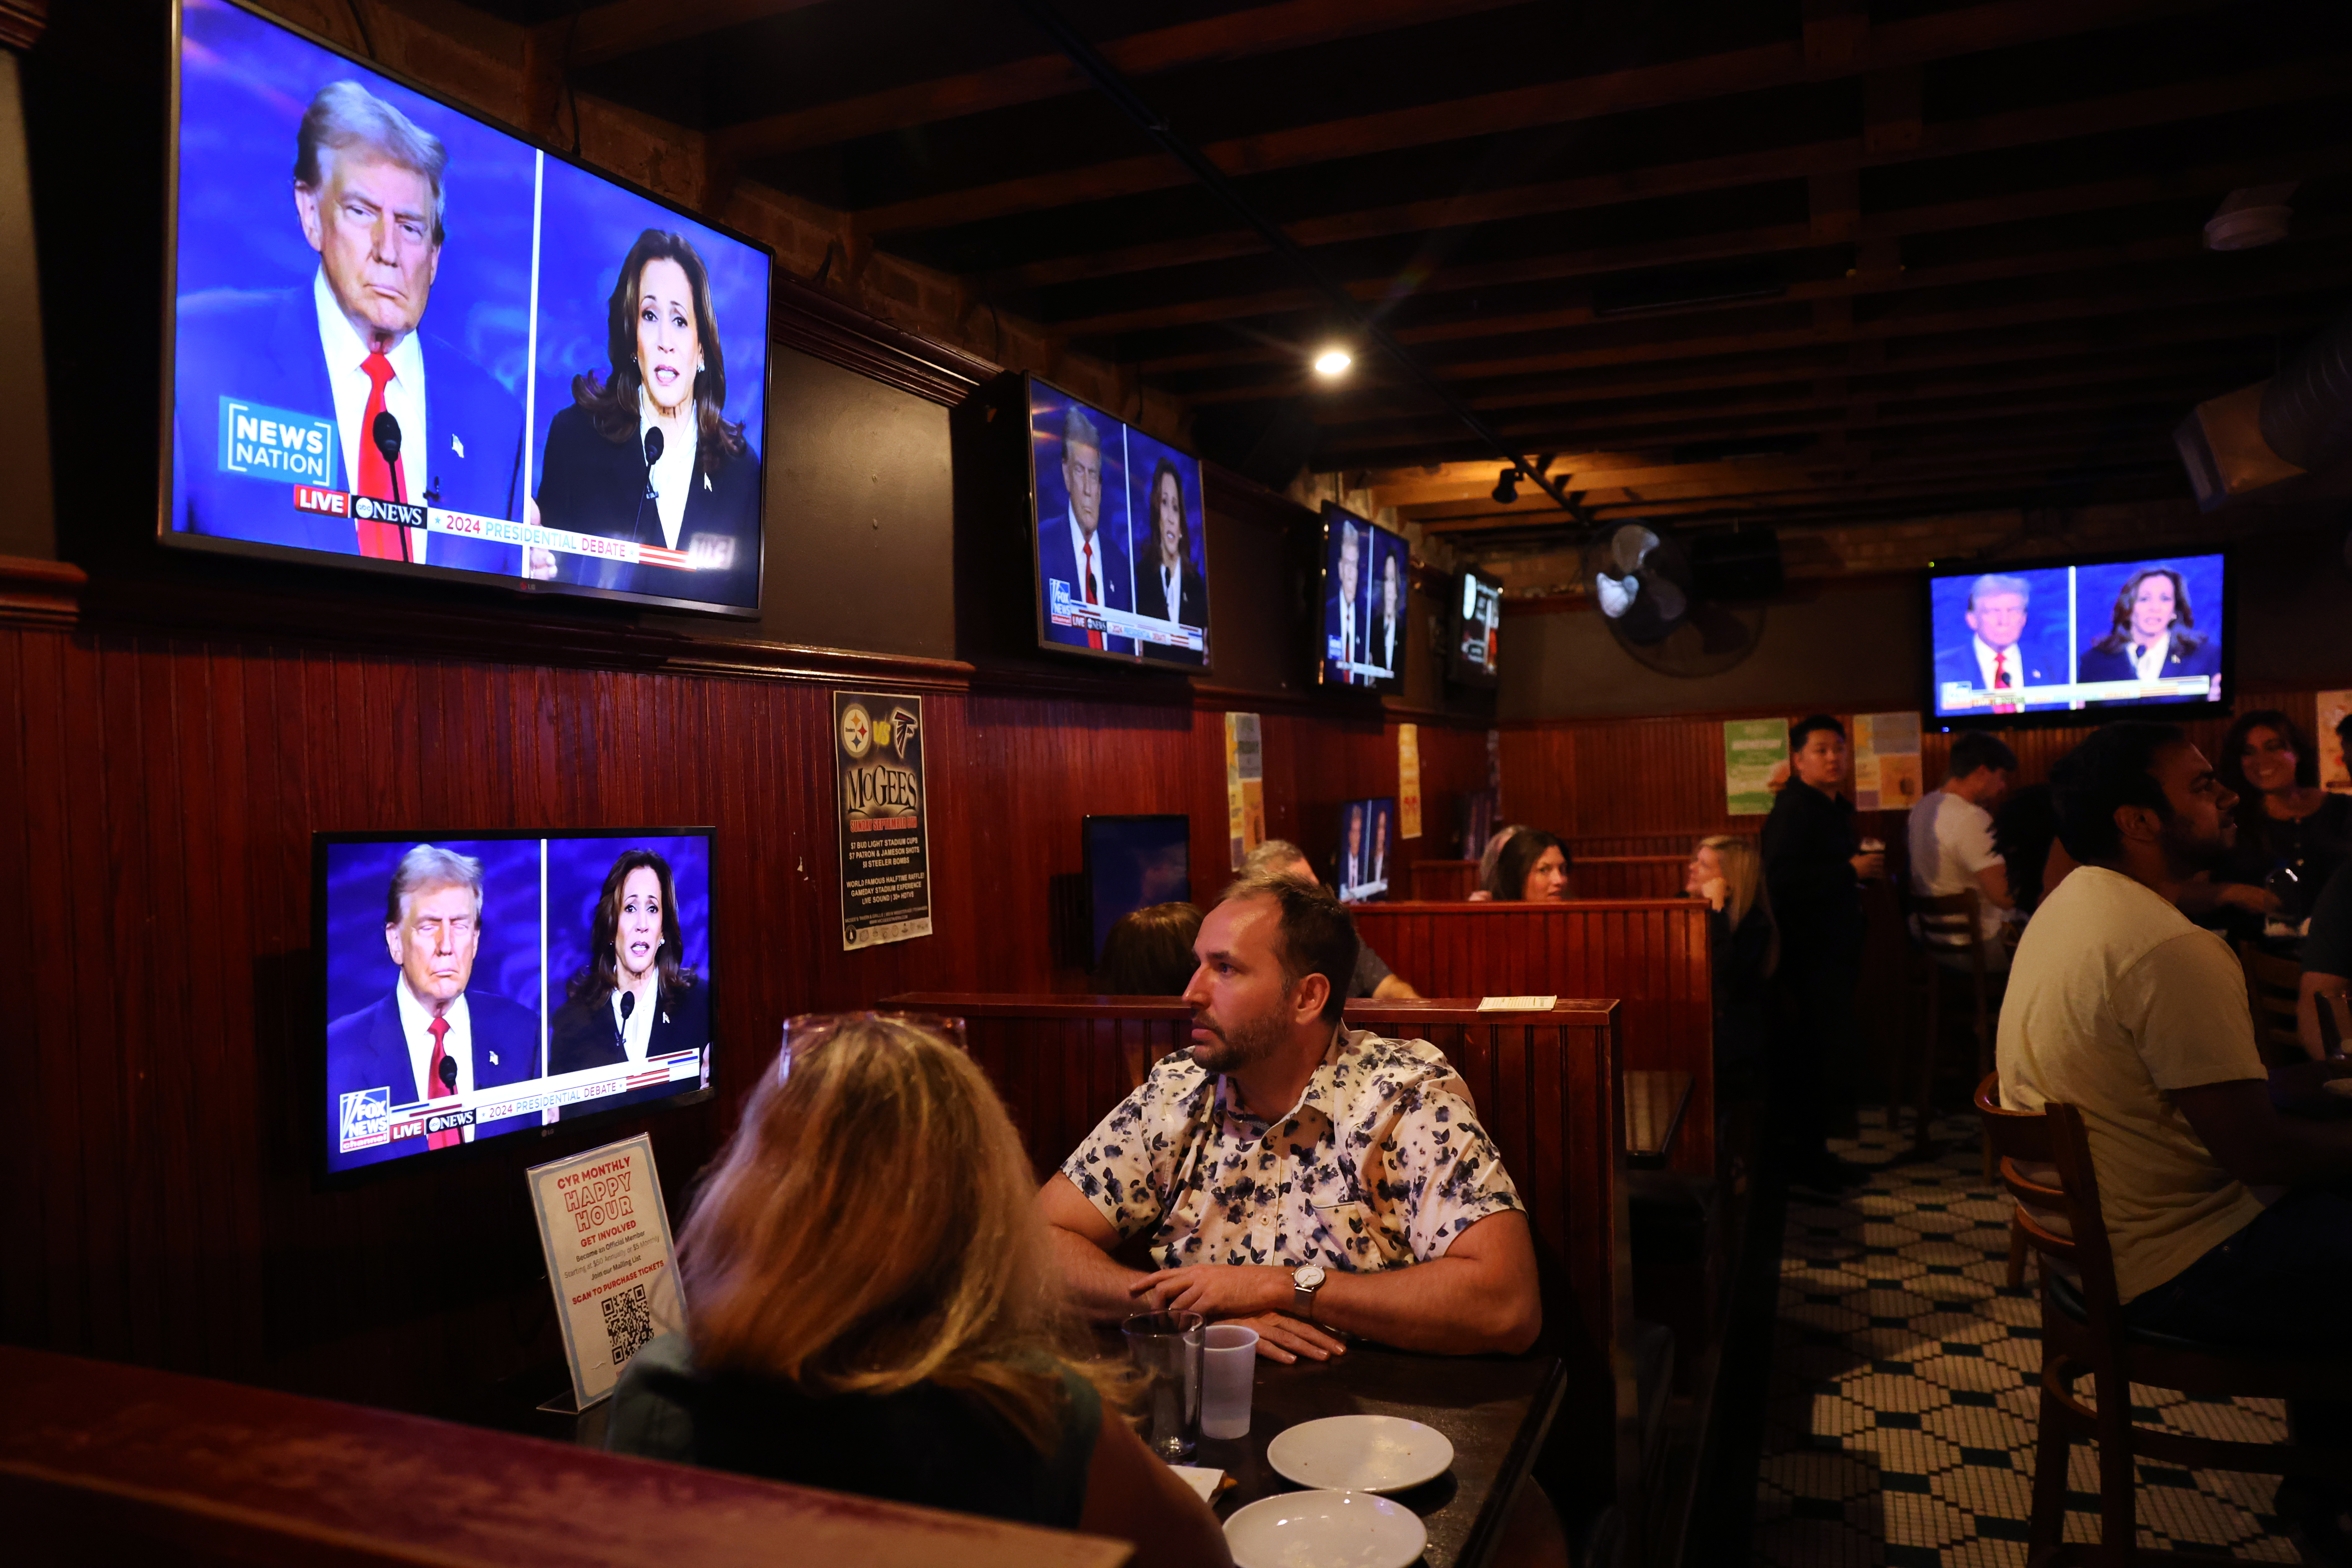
point(1495, 1410)
point(1655, 1104)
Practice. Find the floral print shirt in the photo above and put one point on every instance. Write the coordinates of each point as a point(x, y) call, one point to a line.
point(1381, 1164)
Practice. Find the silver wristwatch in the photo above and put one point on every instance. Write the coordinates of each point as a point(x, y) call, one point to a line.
point(1305, 1281)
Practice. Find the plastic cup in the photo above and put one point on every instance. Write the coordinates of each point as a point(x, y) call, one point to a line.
point(1167, 1347)
point(1229, 1367)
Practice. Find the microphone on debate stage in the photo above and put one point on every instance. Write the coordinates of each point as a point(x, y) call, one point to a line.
point(448, 1066)
point(653, 455)
point(385, 434)
point(629, 998)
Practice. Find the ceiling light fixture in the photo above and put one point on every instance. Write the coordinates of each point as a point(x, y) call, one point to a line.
point(1333, 362)
point(1507, 487)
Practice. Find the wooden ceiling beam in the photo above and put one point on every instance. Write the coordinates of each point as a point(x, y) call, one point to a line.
point(1756, 68)
point(623, 27)
point(1234, 35)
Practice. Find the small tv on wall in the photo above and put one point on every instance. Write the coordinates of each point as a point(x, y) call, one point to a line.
point(1477, 619)
point(2051, 641)
point(401, 340)
point(1361, 867)
point(1132, 863)
point(1122, 549)
point(475, 985)
point(1367, 573)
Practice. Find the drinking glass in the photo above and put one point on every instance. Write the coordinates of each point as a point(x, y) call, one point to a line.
point(1167, 1347)
point(1229, 1367)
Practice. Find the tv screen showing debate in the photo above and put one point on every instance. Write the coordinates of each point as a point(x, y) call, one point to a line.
point(1478, 619)
point(2011, 642)
point(1121, 540)
point(402, 341)
point(1367, 576)
point(1367, 845)
point(482, 985)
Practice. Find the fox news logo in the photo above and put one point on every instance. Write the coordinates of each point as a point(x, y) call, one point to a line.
point(367, 509)
point(366, 1118)
point(270, 443)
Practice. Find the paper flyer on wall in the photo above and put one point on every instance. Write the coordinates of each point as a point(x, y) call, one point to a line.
point(884, 816)
point(2334, 707)
point(610, 1261)
point(1886, 771)
point(1408, 781)
point(1245, 786)
point(1753, 750)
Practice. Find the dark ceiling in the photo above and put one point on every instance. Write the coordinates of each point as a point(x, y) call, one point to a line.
point(1840, 261)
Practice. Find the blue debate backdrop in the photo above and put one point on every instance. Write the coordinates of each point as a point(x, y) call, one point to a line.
point(248, 333)
point(576, 868)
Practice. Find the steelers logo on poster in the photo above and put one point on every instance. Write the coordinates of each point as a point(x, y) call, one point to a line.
point(857, 731)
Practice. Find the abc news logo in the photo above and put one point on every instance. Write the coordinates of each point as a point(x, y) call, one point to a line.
point(448, 1121)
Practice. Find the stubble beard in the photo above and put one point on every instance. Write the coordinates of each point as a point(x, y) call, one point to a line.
point(1242, 1044)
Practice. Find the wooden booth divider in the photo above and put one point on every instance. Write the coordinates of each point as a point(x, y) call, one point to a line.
point(1444, 881)
point(1546, 1086)
point(1649, 953)
point(106, 1463)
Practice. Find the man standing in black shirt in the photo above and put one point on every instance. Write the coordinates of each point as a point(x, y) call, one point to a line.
point(1815, 870)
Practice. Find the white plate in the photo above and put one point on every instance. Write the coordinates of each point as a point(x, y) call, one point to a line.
point(1325, 1530)
point(1361, 1453)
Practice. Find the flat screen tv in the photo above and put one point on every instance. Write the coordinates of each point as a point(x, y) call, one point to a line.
point(2039, 642)
point(402, 341)
point(1366, 852)
point(1122, 549)
point(1133, 863)
point(477, 986)
point(1366, 577)
point(1476, 617)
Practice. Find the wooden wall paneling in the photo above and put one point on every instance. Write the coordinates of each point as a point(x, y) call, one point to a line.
point(1443, 881)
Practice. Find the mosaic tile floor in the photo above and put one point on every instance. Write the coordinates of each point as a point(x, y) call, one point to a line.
point(1900, 1429)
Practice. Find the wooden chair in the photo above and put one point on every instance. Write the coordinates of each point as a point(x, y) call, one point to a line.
point(2271, 985)
point(2045, 1164)
point(1949, 928)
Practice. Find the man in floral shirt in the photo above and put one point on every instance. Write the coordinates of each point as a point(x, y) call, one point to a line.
point(1306, 1179)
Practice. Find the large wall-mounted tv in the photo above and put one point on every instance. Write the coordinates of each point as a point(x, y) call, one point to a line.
point(475, 985)
point(400, 340)
point(1477, 619)
point(2032, 643)
point(1122, 547)
point(1367, 576)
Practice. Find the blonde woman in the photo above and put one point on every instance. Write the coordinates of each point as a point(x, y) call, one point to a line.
point(1728, 873)
point(870, 1309)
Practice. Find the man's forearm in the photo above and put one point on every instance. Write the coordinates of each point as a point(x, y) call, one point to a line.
point(1098, 1282)
point(1449, 1305)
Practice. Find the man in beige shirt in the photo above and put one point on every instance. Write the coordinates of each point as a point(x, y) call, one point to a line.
point(2220, 1210)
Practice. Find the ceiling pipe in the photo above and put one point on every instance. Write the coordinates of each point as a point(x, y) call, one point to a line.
point(2306, 415)
point(1113, 86)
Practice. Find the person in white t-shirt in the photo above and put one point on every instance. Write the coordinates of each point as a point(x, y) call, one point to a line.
point(2222, 1214)
point(1951, 840)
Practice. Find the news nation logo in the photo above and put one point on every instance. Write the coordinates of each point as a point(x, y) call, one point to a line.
point(365, 1120)
point(407, 514)
point(271, 442)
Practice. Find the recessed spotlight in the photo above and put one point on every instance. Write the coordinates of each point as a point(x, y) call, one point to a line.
point(1333, 362)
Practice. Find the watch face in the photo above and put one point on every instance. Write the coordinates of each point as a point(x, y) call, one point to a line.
point(1308, 1277)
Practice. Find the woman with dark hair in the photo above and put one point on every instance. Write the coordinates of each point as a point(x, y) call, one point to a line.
point(646, 455)
point(1533, 868)
point(2152, 637)
point(2284, 819)
point(634, 999)
point(1171, 589)
point(1149, 953)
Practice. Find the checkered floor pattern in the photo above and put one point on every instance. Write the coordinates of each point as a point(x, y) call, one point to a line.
point(1900, 1429)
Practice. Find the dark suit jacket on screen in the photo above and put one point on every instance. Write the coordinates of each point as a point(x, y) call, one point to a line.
point(1057, 562)
point(594, 486)
point(1956, 666)
point(263, 348)
point(1191, 606)
point(581, 1033)
point(1331, 631)
point(365, 1050)
point(2095, 664)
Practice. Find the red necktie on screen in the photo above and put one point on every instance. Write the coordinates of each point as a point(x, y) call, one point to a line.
point(2000, 681)
point(385, 481)
point(439, 1028)
point(1094, 639)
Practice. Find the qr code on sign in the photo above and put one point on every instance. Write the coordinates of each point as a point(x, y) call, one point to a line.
point(628, 1322)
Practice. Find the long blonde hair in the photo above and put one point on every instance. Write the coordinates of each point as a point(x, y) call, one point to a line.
point(1743, 883)
point(869, 1226)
